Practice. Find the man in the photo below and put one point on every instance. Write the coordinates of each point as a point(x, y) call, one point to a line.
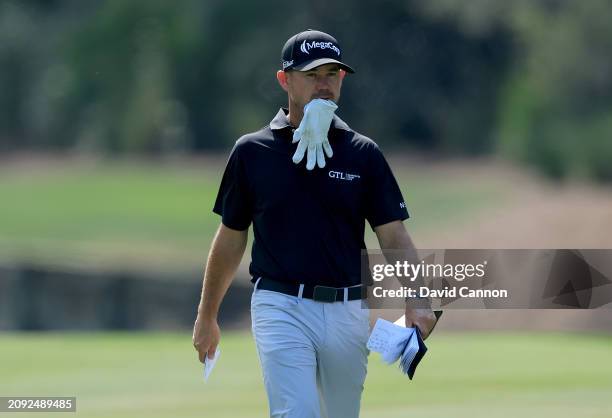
point(308, 321)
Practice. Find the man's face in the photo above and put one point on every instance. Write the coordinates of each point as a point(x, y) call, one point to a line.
point(323, 82)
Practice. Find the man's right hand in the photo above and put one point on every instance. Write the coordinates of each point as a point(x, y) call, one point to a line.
point(206, 336)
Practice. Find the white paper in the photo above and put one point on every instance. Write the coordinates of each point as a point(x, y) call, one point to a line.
point(389, 340)
point(209, 364)
point(401, 321)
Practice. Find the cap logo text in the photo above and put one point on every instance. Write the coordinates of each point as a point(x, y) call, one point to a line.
point(306, 47)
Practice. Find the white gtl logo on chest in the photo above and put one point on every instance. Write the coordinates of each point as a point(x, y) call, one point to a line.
point(343, 176)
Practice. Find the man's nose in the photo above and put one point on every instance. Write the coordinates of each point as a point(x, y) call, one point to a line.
point(322, 82)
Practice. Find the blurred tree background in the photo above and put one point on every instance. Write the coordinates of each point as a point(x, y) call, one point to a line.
point(528, 79)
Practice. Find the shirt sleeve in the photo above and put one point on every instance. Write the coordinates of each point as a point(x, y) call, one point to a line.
point(384, 200)
point(234, 202)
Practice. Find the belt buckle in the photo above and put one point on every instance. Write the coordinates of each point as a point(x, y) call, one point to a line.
point(324, 294)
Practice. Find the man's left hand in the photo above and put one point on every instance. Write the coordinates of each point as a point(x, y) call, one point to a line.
point(422, 318)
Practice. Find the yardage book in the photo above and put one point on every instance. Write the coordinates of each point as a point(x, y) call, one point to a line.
point(395, 342)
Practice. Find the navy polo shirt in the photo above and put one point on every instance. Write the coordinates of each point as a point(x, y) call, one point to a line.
point(308, 225)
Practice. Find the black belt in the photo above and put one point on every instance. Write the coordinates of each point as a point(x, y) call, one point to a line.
point(318, 293)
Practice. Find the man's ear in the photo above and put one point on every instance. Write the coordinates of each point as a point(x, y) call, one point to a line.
point(281, 76)
point(342, 74)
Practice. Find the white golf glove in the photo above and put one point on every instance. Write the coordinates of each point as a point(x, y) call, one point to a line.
point(312, 133)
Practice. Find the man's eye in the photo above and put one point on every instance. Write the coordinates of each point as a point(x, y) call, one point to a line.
point(311, 75)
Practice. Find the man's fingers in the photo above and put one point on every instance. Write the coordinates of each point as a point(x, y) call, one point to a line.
point(422, 329)
point(206, 337)
point(206, 352)
point(424, 332)
point(201, 354)
point(426, 325)
point(211, 352)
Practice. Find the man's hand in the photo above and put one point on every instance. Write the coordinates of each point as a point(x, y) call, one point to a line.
point(223, 260)
point(422, 318)
point(312, 133)
point(206, 337)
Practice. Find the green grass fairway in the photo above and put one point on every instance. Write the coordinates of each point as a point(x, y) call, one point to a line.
point(158, 216)
point(111, 214)
point(462, 376)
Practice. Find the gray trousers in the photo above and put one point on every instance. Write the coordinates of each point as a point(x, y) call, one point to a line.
point(313, 354)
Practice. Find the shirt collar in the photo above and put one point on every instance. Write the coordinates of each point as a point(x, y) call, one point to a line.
point(281, 121)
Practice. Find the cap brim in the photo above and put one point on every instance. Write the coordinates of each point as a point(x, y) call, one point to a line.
point(316, 63)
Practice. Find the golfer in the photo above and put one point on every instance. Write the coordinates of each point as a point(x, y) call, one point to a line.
point(308, 320)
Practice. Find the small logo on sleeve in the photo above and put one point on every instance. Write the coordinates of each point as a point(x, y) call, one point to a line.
point(402, 205)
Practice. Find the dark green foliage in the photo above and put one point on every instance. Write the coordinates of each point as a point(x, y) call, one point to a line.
point(529, 79)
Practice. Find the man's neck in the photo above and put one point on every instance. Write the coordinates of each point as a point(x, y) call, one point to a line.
point(295, 115)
